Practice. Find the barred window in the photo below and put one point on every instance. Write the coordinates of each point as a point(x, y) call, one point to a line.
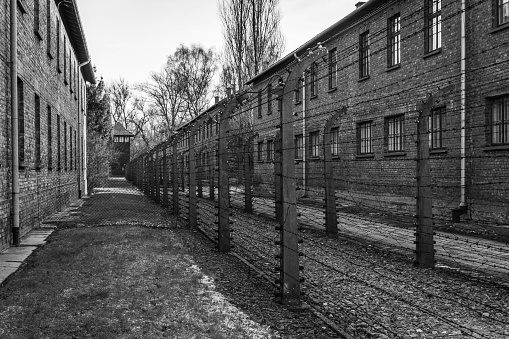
point(270, 150)
point(299, 146)
point(21, 122)
point(333, 80)
point(269, 99)
point(298, 91)
point(37, 109)
point(314, 146)
point(437, 125)
point(500, 121)
point(394, 133)
point(259, 104)
point(364, 55)
point(334, 141)
point(502, 12)
point(312, 82)
point(260, 151)
point(364, 138)
point(394, 41)
point(50, 139)
point(433, 25)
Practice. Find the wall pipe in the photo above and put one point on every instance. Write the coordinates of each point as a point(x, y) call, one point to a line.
point(83, 141)
point(14, 123)
point(463, 203)
point(304, 151)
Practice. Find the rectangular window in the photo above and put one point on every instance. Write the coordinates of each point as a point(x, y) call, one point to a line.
point(269, 99)
point(364, 138)
point(500, 121)
point(21, 123)
point(393, 41)
point(260, 151)
point(259, 104)
point(314, 146)
point(394, 133)
point(502, 12)
point(334, 141)
point(298, 91)
point(299, 147)
point(50, 140)
point(70, 73)
point(65, 60)
point(312, 80)
point(333, 63)
point(65, 145)
point(48, 29)
point(37, 19)
point(270, 150)
point(75, 150)
point(364, 55)
point(436, 128)
point(37, 104)
point(59, 145)
point(71, 162)
point(59, 70)
point(433, 25)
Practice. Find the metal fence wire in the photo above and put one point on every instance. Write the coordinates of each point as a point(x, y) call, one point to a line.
point(347, 209)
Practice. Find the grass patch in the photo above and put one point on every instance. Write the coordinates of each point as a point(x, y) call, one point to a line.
point(117, 282)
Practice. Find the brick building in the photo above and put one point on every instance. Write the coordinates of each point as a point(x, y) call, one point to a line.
point(379, 63)
point(48, 76)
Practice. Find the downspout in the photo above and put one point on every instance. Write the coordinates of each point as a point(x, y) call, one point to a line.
point(463, 203)
point(14, 123)
point(83, 142)
point(304, 151)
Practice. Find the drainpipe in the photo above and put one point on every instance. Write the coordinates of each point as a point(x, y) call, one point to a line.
point(463, 203)
point(82, 145)
point(83, 141)
point(304, 151)
point(14, 123)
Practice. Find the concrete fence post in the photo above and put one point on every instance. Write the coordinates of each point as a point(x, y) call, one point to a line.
point(425, 249)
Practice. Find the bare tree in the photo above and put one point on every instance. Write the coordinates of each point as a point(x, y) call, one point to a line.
point(252, 35)
point(195, 68)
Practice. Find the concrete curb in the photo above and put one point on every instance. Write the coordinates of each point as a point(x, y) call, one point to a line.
point(12, 258)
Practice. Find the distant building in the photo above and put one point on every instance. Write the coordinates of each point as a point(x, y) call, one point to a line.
point(122, 146)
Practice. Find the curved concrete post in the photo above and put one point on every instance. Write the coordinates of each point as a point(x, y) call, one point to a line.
point(331, 220)
point(224, 187)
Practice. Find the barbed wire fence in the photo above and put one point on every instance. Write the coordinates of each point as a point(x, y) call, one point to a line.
point(374, 242)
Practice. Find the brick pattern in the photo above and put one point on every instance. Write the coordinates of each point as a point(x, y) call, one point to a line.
point(42, 191)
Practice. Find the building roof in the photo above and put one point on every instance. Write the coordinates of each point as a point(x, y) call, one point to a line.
point(71, 19)
point(119, 130)
point(325, 35)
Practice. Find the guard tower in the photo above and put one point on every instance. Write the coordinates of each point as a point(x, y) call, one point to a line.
point(122, 146)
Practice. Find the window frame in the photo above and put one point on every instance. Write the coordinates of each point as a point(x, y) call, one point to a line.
point(502, 122)
point(365, 142)
point(299, 146)
point(334, 142)
point(21, 123)
point(314, 144)
point(312, 80)
point(498, 11)
point(394, 41)
point(270, 150)
point(260, 151)
point(437, 133)
point(364, 55)
point(37, 132)
point(260, 101)
point(394, 126)
point(333, 69)
point(298, 91)
point(433, 19)
point(269, 99)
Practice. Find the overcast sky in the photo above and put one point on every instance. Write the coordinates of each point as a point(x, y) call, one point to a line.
point(131, 38)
